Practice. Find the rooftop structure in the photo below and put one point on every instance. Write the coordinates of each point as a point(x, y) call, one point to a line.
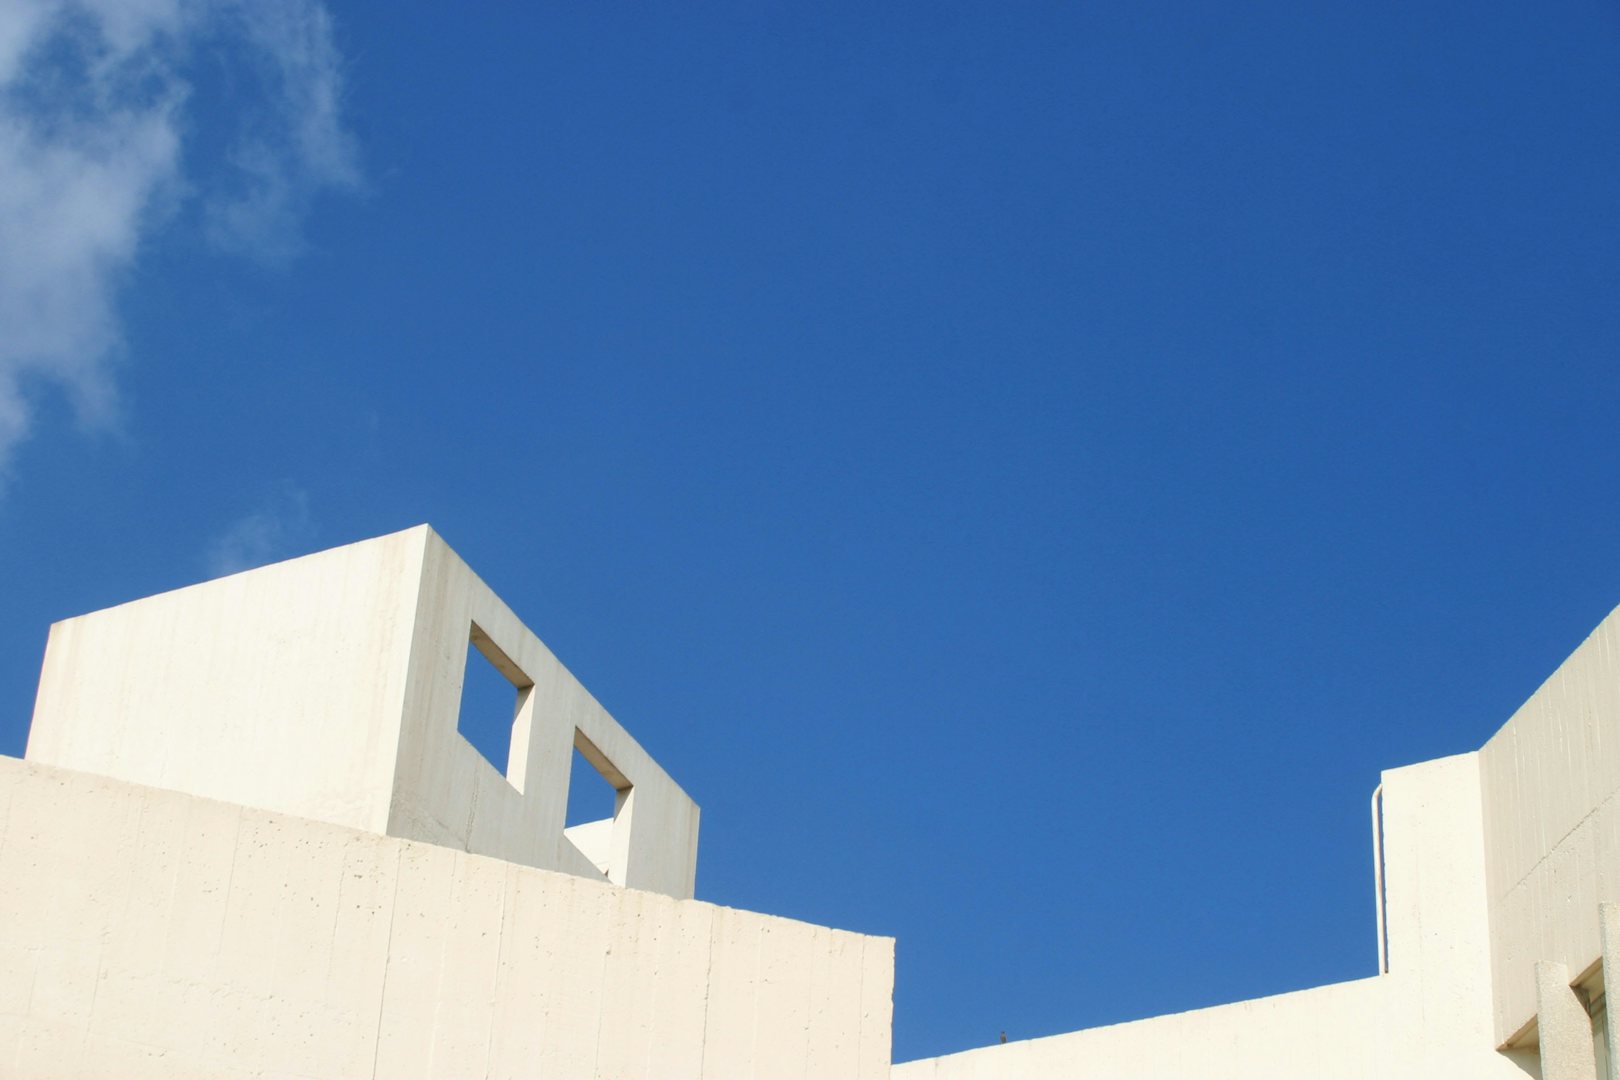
point(248, 841)
point(328, 688)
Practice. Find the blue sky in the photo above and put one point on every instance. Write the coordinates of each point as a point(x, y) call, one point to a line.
point(1023, 468)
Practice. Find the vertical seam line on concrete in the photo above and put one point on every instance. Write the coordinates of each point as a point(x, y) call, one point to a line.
point(455, 883)
point(95, 988)
point(495, 989)
point(860, 1018)
point(33, 981)
point(759, 984)
point(708, 981)
point(382, 991)
point(472, 815)
point(810, 1005)
point(337, 914)
point(601, 1009)
point(129, 894)
point(654, 983)
point(140, 834)
point(230, 879)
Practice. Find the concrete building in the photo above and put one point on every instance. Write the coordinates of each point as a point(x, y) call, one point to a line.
point(247, 840)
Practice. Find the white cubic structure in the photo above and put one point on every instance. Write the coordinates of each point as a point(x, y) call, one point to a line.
point(328, 687)
point(248, 841)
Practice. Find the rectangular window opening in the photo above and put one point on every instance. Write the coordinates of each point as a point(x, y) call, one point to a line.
point(492, 693)
point(596, 789)
point(597, 793)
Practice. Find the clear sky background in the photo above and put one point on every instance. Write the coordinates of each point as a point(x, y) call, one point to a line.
point(1023, 468)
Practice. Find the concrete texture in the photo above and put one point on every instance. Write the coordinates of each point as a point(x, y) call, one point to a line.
point(1609, 918)
point(1551, 777)
point(1564, 1030)
point(328, 687)
point(155, 934)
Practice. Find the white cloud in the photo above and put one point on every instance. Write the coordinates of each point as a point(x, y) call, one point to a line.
point(279, 528)
point(302, 85)
point(95, 113)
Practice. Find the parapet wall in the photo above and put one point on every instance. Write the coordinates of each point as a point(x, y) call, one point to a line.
point(153, 935)
point(329, 687)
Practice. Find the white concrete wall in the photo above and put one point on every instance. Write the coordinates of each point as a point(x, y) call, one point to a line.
point(329, 687)
point(446, 792)
point(1551, 778)
point(280, 687)
point(1429, 1018)
point(153, 934)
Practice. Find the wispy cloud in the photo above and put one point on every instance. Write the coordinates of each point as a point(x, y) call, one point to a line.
point(278, 528)
point(95, 115)
point(298, 144)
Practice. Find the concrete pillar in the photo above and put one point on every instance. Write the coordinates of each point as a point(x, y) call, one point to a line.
point(1565, 1029)
point(1609, 924)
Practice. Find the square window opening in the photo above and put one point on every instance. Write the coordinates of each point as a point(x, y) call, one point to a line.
point(493, 690)
point(596, 789)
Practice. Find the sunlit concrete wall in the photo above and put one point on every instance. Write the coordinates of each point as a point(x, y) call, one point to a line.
point(1428, 1018)
point(155, 934)
point(329, 687)
point(280, 688)
point(1552, 820)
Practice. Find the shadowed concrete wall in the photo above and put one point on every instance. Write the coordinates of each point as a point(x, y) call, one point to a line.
point(154, 934)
